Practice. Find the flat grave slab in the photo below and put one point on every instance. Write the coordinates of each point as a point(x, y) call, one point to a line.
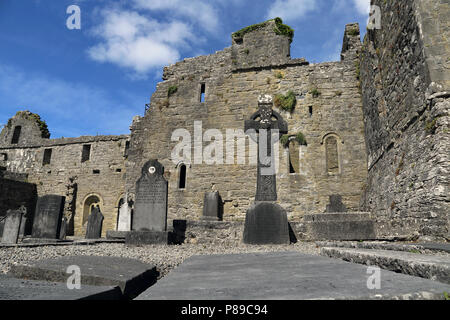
point(130, 275)
point(19, 289)
point(284, 276)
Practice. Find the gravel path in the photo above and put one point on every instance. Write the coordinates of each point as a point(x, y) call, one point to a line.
point(165, 258)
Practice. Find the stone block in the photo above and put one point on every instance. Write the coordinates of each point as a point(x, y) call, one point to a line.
point(147, 237)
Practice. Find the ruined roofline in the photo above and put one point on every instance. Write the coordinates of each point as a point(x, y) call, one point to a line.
point(69, 141)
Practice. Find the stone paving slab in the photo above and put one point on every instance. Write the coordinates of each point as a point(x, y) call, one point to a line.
point(415, 264)
point(130, 275)
point(284, 276)
point(384, 245)
point(19, 289)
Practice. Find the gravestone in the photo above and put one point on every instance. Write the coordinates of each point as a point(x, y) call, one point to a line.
point(211, 206)
point(25, 217)
point(266, 222)
point(48, 217)
point(150, 210)
point(336, 204)
point(149, 224)
point(95, 223)
point(12, 226)
point(124, 223)
point(2, 224)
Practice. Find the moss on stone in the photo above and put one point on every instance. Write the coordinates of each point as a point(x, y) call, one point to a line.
point(285, 102)
point(172, 90)
point(280, 29)
point(299, 137)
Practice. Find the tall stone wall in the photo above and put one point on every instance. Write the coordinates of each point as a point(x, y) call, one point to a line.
point(328, 104)
point(101, 176)
point(404, 78)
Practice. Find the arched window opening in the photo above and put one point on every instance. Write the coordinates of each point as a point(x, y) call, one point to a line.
point(89, 204)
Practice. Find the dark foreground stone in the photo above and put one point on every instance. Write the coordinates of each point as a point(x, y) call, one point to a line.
point(284, 276)
point(18, 289)
point(266, 223)
point(131, 276)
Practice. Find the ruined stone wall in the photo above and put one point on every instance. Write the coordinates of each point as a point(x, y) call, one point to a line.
point(13, 195)
point(101, 176)
point(329, 90)
point(404, 77)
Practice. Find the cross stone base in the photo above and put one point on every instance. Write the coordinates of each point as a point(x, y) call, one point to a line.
point(266, 223)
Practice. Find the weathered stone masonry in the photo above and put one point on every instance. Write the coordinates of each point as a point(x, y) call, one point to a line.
point(375, 127)
point(405, 80)
point(98, 180)
point(328, 106)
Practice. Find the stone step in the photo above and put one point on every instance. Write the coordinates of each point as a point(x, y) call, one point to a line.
point(420, 265)
point(384, 245)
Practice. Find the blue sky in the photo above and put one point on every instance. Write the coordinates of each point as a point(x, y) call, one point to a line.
point(94, 80)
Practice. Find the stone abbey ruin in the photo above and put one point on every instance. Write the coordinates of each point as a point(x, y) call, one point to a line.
point(364, 150)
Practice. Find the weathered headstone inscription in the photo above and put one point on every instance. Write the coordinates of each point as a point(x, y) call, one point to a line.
point(211, 206)
point(150, 210)
point(336, 204)
point(48, 217)
point(266, 222)
point(12, 226)
point(95, 223)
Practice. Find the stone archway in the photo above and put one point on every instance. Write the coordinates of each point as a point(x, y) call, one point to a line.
point(89, 202)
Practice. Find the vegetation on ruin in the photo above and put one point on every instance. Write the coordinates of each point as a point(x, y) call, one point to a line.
point(353, 32)
point(285, 102)
point(280, 29)
point(431, 126)
point(315, 92)
point(172, 90)
point(299, 137)
point(27, 115)
point(278, 74)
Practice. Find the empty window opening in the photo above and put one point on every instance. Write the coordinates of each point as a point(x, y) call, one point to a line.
point(202, 93)
point(310, 111)
point(127, 147)
point(182, 180)
point(118, 170)
point(16, 135)
point(47, 157)
point(96, 171)
point(86, 154)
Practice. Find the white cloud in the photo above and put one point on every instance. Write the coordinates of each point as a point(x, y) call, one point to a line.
point(290, 10)
point(70, 109)
point(362, 6)
point(197, 11)
point(136, 42)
